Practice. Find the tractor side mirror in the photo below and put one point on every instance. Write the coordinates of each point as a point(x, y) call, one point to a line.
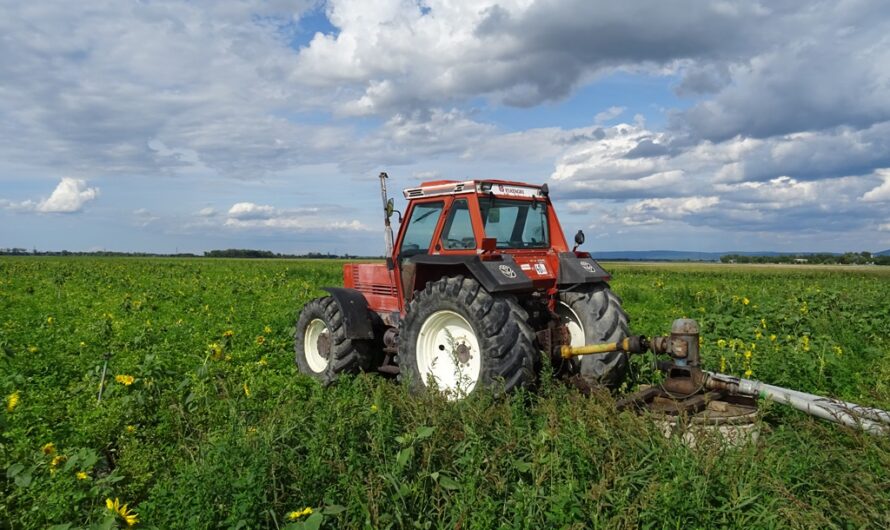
point(390, 206)
point(579, 240)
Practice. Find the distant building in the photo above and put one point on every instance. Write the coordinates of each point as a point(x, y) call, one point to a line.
point(801, 260)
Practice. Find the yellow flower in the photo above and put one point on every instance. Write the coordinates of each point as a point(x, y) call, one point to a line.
point(263, 362)
point(758, 335)
point(763, 323)
point(50, 320)
point(81, 475)
point(124, 379)
point(48, 448)
point(130, 429)
point(33, 349)
point(804, 308)
point(57, 460)
point(772, 338)
point(115, 507)
point(215, 350)
point(748, 354)
point(293, 516)
point(722, 363)
point(228, 333)
point(83, 344)
point(746, 301)
point(805, 340)
point(748, 373)
point(721, 343)
point(261, 340)
point(246, 390)
point(838, 350)
point(267, 330)
point(12, 401)
point(374, 408)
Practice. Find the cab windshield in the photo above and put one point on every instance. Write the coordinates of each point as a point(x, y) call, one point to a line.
point(515, 224)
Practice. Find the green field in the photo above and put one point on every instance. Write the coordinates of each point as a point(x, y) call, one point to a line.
point(205, 423)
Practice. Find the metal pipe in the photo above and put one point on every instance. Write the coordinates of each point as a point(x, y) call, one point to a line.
point(871, 420)
point(387, 226)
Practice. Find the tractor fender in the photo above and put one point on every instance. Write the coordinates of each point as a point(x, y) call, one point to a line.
point(574, 270)
point(496, 276)
point(354, 308)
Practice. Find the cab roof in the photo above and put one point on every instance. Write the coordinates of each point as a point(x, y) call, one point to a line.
point(504, 188)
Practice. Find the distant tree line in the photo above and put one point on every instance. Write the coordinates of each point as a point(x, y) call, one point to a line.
point(228, 253)
point(847, 258)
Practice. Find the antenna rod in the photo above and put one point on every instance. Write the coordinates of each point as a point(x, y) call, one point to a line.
point(387, 234)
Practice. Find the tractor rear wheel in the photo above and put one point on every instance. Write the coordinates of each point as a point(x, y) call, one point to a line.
point(322, 349)
point(459, 338)
point(594, 315)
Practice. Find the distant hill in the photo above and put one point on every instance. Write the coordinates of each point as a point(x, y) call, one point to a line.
point(883, 253)
point(656, 255)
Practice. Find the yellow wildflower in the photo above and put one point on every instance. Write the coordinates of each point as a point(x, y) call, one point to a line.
point(56, 462)
point(267, 330)
point(261, 340)
point(81, 475)
point(746, 301)
point(748, 354)
point(374, 408)
point(748, 373)
point(124, 379)
point(83, 344)
point(130, 429)
point(33, 349)
point(772, 338)
point(12, 401)
point(263, 361)
point(805, 341)
point(804, 308)
point(838, 350)
point(758, 335)
point(293, 516)
point(721, 343)
point(215, 350)
point(722, 363)
point(228, 333)
point(48, 448)
point(246, 390)
point(763, 323)
point(115, 507)
point(50, 320)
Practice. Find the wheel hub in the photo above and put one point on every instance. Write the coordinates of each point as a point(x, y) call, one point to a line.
point(462, 352)
point(324, 344)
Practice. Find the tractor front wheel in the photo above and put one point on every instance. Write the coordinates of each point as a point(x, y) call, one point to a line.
point(459, 338)
point(594, 315)
point(322, 349)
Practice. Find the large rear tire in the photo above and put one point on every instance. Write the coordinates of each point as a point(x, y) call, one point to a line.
point(321, 347)
point(594, 315)
point(461, 339)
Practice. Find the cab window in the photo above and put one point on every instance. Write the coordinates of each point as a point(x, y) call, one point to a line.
point(421, 226)
point(458, 231)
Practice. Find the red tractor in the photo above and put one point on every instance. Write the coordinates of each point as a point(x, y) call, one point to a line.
point(478, 286)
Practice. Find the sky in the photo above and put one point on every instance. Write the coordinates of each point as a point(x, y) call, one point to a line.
point(185, 126)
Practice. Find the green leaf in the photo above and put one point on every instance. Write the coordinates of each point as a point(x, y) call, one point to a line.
point(403, 456)
point(424, 432)
point(334, 509)
point(313, 522)
point(448, 483)
point(14, 469)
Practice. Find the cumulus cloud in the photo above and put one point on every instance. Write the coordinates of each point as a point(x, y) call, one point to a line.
point(880, 193)
point(69, 196)
point(248, 215)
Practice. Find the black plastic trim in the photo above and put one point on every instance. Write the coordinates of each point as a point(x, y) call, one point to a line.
point(354, 308)
point(499, 276)
point(572, 270)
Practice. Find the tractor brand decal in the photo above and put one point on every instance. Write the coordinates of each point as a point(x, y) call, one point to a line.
point(586, 265)
point(516, 191)
point(540, 268)
point(525, 267)
point(507, 271)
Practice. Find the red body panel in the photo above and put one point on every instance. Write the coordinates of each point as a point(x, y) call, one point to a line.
point(375, 282)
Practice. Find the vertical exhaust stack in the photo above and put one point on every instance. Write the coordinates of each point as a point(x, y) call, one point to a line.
point(387, 231)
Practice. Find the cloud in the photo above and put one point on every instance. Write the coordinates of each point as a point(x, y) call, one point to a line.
point(144, 217)
point(209, 211)
point(248, 215)
point(880, 193)
point(609, 114)
point(69, 196)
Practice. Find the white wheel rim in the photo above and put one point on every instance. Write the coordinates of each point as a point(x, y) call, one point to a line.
point(448, 353)
point(317, 361)
point(570, 319)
